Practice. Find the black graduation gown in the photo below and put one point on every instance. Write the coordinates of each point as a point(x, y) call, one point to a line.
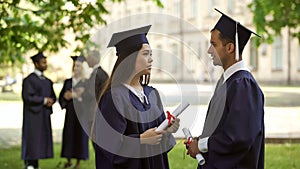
point(36, 129)
point(238, 140)
point(74, 140)
point(118, 144)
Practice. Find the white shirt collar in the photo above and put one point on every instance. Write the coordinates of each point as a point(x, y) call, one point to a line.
point(37, 72)
point(96, 66)
point(140, 94)
point(234, 68)
point(75, 81)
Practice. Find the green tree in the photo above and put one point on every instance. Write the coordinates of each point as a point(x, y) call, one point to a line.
point(40, 25)
point(270, 17)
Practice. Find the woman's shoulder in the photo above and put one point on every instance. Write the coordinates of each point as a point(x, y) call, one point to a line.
point(116, 91)
point(148, 89)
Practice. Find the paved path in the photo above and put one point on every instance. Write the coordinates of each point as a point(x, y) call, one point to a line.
point(280, 122)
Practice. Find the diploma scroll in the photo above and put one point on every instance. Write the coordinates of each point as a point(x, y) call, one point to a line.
point(175, 113)
point(189, 138)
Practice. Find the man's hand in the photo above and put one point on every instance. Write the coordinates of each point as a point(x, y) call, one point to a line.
point(49, 101)
point(193, 149)
point(78, 91)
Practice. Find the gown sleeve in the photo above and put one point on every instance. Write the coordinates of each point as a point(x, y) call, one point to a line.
point(30, 95)
point(62, 101)
point(116, 138)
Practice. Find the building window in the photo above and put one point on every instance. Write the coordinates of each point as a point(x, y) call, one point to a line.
point(253, 55)
point(299, 58)
point(192, 57)
point(158, 58)
point(211, 6)
point(161, 10)
point(176, 10)
point(231, 6)
point(193, 7)
point(277, 54)
point(176, 57)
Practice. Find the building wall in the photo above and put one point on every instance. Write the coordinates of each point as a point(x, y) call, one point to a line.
point(180, 36)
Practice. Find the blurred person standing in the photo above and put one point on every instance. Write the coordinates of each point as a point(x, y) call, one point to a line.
point(98, 77)
point(93, 86)
point(233, 135)
point(74, 139)
point(38, 97)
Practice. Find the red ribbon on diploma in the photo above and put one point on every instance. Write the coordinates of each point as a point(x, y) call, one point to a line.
point(170, 117)
point(189, 140)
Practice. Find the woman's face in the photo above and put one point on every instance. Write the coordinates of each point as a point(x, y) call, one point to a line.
point(78, 68)
point(144, 60)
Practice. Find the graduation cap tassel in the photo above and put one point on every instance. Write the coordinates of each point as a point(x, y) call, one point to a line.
point(237, 55)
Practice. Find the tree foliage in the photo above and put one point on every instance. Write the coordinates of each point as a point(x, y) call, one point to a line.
point(41, 25)
point(271, 16)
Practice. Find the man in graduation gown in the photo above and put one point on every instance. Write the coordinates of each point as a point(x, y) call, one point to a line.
point(233, 133)
point(98, 77)
point(92, 88)
point(38, 97)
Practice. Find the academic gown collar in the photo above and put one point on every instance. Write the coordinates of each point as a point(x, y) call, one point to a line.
point(140, 94)
point(38, 72)
point(234, 68)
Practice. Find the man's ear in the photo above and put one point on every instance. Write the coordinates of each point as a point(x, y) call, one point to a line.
point(35, 64)
point(230, 48)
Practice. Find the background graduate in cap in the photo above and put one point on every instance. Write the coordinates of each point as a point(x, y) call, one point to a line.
point(74, 139)
point(130, 110)
point(38, 97)
point(233, 132)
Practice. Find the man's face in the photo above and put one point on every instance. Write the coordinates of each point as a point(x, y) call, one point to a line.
point(90, 61)
point(216, 49)
point(41, 65)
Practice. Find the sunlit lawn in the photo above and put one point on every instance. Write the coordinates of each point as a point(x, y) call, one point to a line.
point(278, 156)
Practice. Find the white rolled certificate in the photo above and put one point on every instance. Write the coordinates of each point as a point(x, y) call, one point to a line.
point(175, 113)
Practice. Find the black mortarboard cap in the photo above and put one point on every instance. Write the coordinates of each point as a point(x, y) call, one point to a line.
point(227, 26)
point(127, 41)
point(37, 57)
point(80, 58)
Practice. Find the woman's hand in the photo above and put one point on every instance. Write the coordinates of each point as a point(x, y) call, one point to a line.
point(151, 137)
point(68, 95)
point(174, 126)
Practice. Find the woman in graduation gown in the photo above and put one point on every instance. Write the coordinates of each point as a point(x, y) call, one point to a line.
point(130, 110)
point(74, 140)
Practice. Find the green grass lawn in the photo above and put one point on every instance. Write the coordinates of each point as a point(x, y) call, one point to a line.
point(278, 156)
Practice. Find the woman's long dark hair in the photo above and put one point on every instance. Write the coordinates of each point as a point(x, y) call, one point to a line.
point(123, 69)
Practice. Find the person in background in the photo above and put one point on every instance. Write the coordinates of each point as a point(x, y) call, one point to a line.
point(93, 86)
point(38, 97)
point(74, 139)
point(130, 110)
point(98, 76)
point(233, 132)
